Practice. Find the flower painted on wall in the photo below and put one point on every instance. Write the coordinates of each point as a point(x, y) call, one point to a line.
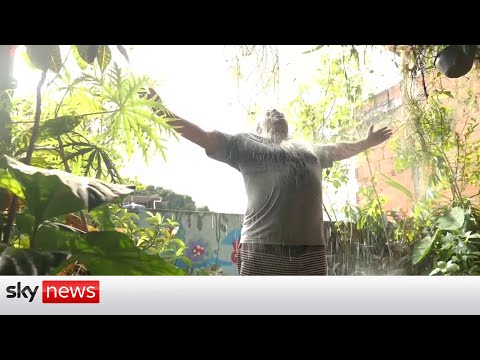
point(197, 250)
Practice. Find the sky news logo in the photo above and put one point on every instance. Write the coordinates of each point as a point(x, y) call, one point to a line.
point(58, 292)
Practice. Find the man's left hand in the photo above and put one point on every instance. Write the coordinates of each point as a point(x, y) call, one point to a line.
point(375, 138)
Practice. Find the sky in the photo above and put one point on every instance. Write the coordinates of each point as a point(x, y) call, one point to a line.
point(197, 82)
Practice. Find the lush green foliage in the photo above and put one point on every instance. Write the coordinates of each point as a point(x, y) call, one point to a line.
point(59, 160)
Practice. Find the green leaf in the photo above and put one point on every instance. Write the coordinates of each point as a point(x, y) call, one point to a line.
point(435, 271)
point(123, 52)
point(469, 236)
point(28, 261)
point(186, 260)
point(447, 93)
point(449, 238)
point(442, 264)
point(79, 153)
point(43, 57)
point(54, 238)
point(25, 223)
point(461, 248)
point(56, 60)
point(78, 58)
point(168, 254)
point(50, 193)
point(451, 267)
point(59, 126)
point(447, 246)
point(180, 243)
point(141, 241)
point(103, 216)
point(422, 249)
point(104, 56)
point(105, 252)
point(135, 125)
point(88, 53)
point(39, 161)
point(8, 182)
point(453, 220)
point(398, 186)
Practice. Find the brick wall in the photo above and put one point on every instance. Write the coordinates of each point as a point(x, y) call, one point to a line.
point(381, 158)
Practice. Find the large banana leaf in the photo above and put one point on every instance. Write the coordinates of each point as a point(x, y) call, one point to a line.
point(49, 193)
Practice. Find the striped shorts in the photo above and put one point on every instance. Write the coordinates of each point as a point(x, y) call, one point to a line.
point(258, 259)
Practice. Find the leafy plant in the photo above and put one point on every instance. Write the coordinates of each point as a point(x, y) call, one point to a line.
point(454, 241)
point(82, 125)
point(107, 252)
point(158, 239)
point(15, 261)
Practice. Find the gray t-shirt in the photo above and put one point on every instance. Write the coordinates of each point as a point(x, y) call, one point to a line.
point(283, 183)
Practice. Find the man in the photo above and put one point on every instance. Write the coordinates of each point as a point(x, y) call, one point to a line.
point(282, 233)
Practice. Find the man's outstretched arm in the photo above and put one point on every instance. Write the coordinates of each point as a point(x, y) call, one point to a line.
point(345, 150)
point(206, 139)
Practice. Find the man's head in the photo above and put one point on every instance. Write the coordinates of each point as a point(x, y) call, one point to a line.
point(274, 126)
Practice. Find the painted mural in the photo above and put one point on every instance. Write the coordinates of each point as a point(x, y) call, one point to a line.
point(211, 240)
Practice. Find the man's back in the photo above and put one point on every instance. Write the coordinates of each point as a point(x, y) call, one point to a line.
point(283, 186)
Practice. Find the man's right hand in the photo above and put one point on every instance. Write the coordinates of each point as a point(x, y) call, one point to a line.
point(152, 94)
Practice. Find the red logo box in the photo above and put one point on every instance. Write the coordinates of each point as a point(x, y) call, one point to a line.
point(71, 292)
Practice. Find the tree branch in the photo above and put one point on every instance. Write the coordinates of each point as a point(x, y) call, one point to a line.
point(38, 113)
point(12, 210)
